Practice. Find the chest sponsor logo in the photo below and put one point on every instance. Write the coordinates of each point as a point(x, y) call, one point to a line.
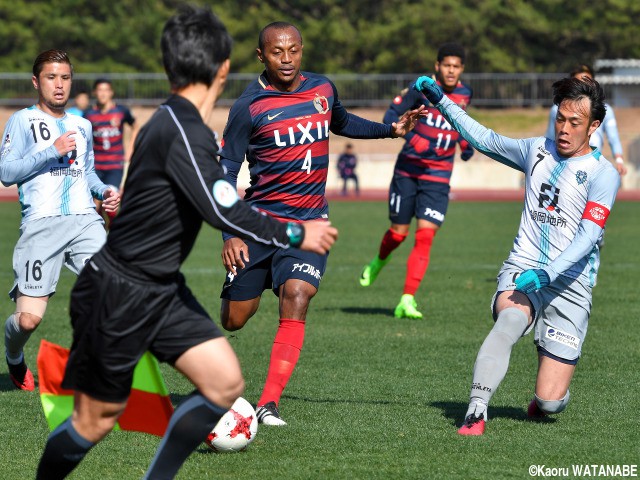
point(308, 133)
point(562, 337)
point(548, 198)
point(437, 120)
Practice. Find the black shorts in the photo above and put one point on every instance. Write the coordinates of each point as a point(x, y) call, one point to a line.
point(423, 199)
point(270, 267)
point(117, 315)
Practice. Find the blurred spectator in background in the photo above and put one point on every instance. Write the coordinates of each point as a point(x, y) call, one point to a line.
point(347, 162)
point(80, 103)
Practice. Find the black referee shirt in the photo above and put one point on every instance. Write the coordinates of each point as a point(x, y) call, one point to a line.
point(171, 187)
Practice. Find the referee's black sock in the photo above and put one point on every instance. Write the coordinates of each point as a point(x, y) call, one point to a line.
point(65, 449)
point(190, 424)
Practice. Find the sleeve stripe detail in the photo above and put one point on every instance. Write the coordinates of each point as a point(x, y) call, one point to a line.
point(597, 213)
point(206, 190)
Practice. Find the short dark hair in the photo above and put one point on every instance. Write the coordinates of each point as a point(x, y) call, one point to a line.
point(571, 88)
point(582, 68)
point(195, 43)
point(100, 81)
point(50, 56)
point(277, 26)
point(451, 50)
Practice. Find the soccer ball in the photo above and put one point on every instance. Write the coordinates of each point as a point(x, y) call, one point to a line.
point(236, 429)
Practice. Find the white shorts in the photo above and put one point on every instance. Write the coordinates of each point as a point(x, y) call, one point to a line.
point(561, 312)
point(46, 243)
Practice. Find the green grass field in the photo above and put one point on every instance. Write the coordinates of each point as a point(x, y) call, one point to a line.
point(379, 398)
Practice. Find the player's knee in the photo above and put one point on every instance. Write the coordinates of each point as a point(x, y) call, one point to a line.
point(95, 427)
point(225, 391)
point(298, 294)
point(553, 406)
point(234, 315)
point(28, 321)
point(512, 322)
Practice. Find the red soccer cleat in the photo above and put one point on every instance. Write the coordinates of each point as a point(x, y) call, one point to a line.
point(534, 411)
point(21, 376)
point(472, 425)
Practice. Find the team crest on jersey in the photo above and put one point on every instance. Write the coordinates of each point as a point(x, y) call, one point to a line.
point(581, 177)
point(115, 122)
point(321, 104)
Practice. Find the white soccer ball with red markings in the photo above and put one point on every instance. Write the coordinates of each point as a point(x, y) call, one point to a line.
point(236, 429)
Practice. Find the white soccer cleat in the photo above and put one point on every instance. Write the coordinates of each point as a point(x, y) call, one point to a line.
point(268, 414)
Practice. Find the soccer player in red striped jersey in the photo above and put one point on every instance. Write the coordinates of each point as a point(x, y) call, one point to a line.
point(108, 120)
point(281, 123)
point(420, 184)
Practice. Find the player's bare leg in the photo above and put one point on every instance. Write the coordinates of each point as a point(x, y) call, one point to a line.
point(295, 296)
point(552, 387)
point(234, 314)
point(514, 315)
point(18, 328)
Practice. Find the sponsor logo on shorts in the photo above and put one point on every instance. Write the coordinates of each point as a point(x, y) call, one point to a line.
point(562, 337)
point(29, 286)
point(306, 268)
point(429, 212)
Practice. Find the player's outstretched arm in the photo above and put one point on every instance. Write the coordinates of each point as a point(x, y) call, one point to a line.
point(317, 236)
point(407, 122)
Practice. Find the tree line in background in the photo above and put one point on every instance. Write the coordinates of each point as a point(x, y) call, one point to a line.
point(354, 36)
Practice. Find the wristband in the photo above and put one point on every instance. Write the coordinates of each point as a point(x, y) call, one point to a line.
point(295, 232)
point(620, 160)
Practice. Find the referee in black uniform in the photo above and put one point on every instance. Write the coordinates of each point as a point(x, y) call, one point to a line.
point(131, 297)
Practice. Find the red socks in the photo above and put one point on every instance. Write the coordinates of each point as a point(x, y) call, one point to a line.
point(284, 357)
point(418, 260)
point(390, 242)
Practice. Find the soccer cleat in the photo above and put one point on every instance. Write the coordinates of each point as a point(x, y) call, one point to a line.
point(534, 411)
point(371, 270)
point(21, 376)
point(407, 308)
point(268, 414)
point(472, 425)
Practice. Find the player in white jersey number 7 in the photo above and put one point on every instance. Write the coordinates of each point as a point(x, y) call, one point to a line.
point(546, 282)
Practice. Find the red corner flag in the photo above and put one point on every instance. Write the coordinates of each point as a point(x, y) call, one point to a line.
point(148, 408)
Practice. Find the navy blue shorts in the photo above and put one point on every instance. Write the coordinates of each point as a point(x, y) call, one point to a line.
point(269, 268)
point(111, 177)
point(410, 197)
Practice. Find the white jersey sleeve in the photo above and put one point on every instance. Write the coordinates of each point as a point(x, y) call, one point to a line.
point(567, 200)
point(49, 185)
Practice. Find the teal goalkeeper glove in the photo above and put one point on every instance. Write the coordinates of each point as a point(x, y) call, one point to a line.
point(532, 280)
point(430, 88)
